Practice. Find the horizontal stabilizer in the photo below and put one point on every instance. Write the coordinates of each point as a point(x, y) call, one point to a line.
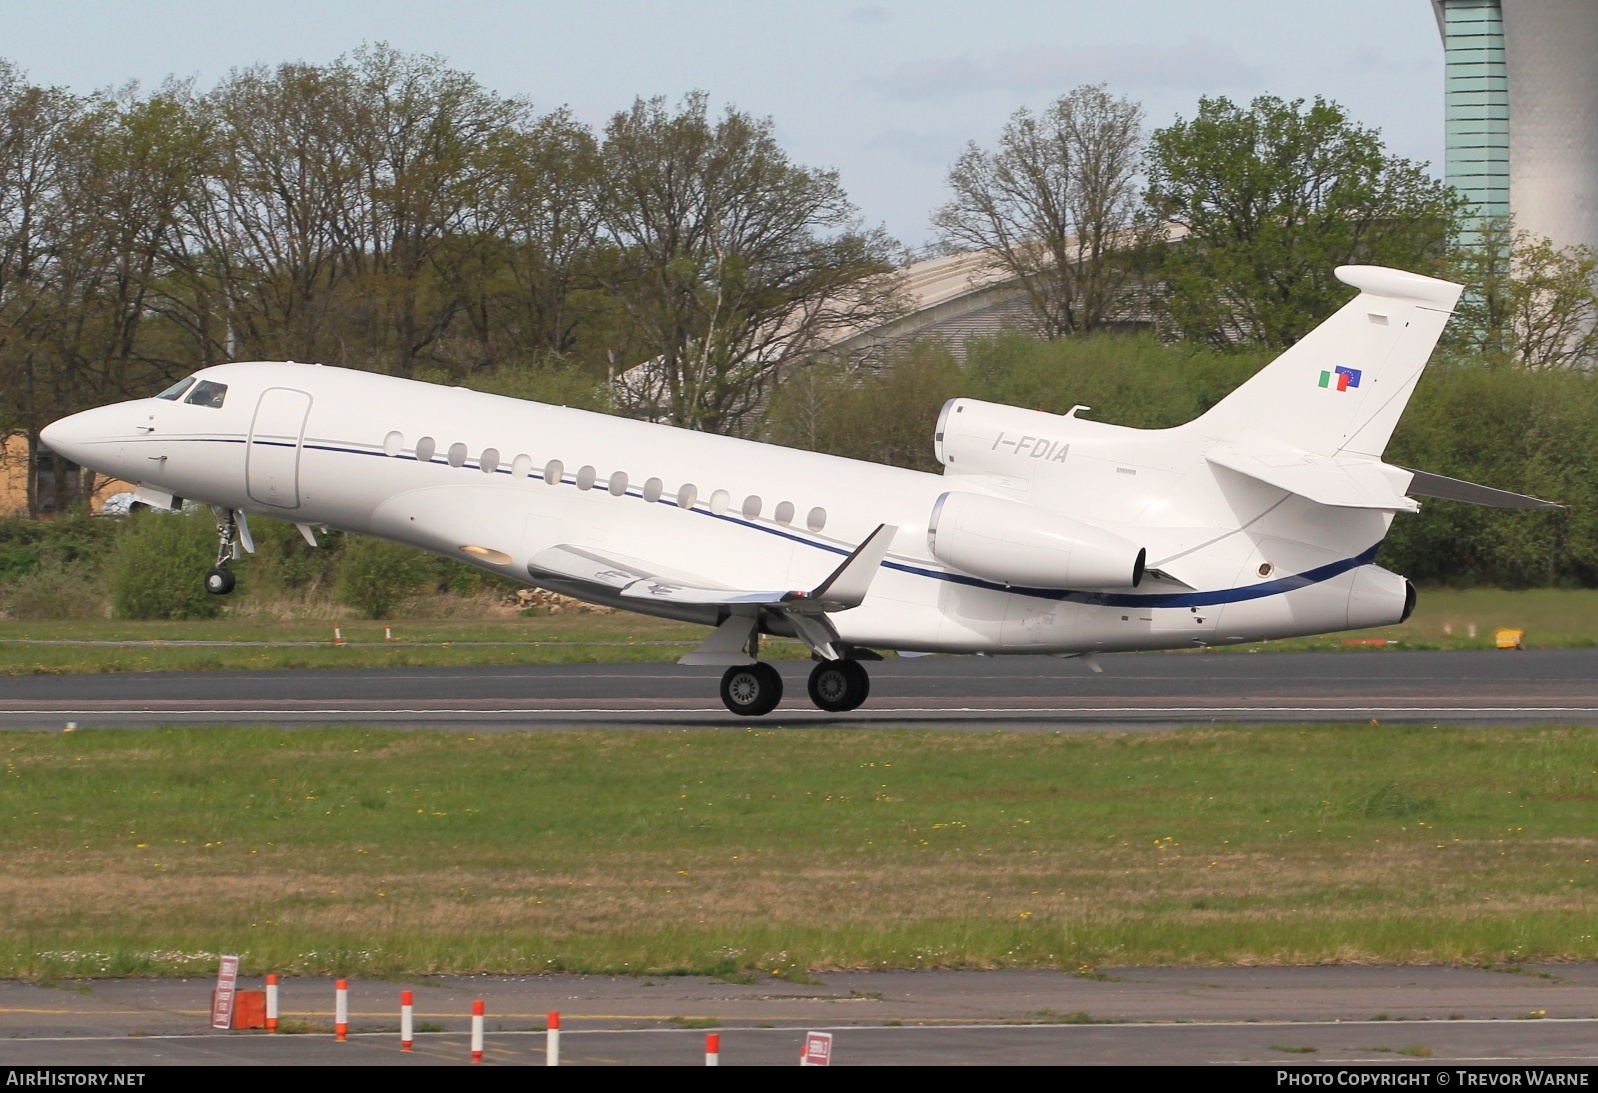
point(1455, 489)
point(1343, 483)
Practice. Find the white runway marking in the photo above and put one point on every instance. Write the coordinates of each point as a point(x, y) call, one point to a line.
point(634, 710)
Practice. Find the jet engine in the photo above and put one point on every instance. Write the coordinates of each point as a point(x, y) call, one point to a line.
point(975, 437)
point(1024, 545)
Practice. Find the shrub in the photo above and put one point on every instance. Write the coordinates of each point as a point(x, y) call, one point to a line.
point(55, 591)
point(283, 561)
point(26, 543)
point(376, 576)
point(158, 568)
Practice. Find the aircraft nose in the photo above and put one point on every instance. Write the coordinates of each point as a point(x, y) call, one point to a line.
point(76, 436)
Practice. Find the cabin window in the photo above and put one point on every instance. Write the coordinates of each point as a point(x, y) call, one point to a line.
point(175, 392)
point(784, 513)
point(394, 443)
point(489, 461)
point(653, 489)
point(208, 394)
point(457, 454)
point(618, 483)
point(719, 501)
point(425, 448)
point(751, 507)
point(521, 466)
point(688, 496)
point(817, 519)
point(585, 477)
point(554, 472)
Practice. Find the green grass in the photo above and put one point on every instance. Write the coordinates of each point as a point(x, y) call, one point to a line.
point(785, 852)
point(56, 648)
point(1443, 620)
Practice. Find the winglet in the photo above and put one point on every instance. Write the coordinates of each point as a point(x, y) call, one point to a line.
point(848, 584)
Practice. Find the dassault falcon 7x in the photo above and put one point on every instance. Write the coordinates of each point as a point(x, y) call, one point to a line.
point(1045, 533)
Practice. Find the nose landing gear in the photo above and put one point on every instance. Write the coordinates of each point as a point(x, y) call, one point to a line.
point(231, 531)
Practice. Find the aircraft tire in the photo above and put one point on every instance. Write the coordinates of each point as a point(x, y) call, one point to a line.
point(751, 690)
point(838, 686)
point(219, 581)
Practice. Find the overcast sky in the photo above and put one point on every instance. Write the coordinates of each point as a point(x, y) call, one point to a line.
point(886, 93)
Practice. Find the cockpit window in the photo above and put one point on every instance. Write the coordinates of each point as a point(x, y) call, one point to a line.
point(175, 392)
point(207, 393)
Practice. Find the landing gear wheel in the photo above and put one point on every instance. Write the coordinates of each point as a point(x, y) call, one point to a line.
point(838, 686)
point(751, 690)
point(219, 581)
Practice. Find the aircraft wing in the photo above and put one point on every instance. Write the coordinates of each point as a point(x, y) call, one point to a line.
point(635, 578)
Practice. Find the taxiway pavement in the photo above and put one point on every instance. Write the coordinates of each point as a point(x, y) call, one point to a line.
point(1348, 1015)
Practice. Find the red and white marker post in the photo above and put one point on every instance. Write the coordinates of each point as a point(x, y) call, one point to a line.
point(712, 1049)
point(341, 1010)
point(405, 1020)
point(477, 1031)
point(271, 1002)
point(552, 1040)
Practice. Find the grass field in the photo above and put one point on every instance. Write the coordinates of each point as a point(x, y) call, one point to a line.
point(730, 851)
point(1445, 619)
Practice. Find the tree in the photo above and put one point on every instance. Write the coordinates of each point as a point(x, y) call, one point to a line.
point(1526, 301)
point(1271, 199)
point(544, 211)
point(1055, 206)
point(729, 260)
point(340, 202)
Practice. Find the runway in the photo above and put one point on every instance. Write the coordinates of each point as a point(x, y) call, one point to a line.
point(1279, 1017)
point(1025, 693)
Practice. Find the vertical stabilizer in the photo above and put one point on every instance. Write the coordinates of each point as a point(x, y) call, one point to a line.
point(1343, 386)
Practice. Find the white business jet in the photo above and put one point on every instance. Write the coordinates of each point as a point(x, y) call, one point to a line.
point(1045, 533)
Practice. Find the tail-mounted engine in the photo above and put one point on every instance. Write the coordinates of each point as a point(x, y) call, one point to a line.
point(1018, 544)
point(985, 438)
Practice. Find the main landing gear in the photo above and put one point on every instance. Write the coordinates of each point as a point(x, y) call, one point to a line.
point(753, 690)
point(839, 685)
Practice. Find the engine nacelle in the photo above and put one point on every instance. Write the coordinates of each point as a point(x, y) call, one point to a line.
point(976, 437)
point(1024, 545)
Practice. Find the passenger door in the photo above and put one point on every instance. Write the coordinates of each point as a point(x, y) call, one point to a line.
point(272, 460)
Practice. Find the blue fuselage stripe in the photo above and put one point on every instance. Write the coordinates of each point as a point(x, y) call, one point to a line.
point(1213, 598)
